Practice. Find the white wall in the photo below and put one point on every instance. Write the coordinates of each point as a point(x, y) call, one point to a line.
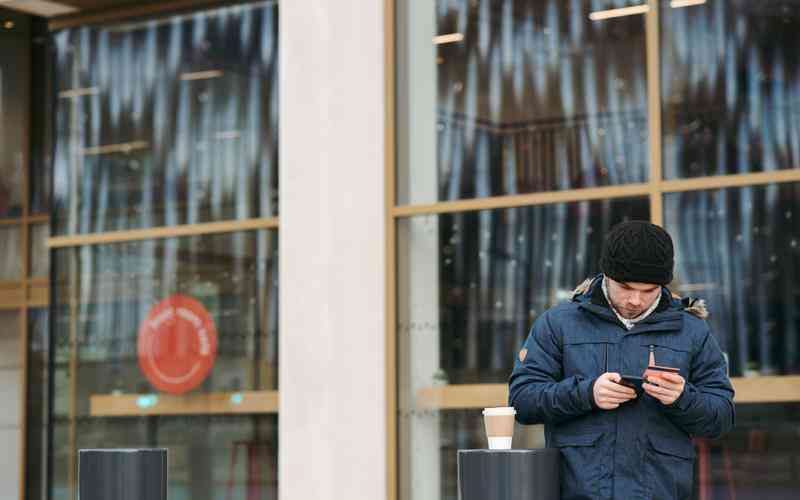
point(332, 320)
point(10, 387)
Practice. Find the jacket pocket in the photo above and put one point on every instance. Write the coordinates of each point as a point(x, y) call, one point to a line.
point(669, 350)
point(585, 355)
point(576, 440)
point(584, 472)
point(670, 467)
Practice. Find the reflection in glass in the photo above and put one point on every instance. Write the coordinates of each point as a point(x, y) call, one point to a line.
point(104, 292)
point(470, 286)
point(210, 457)
point(40, 255)
point(9, 339)
point(521, 97)
point(167, 122)
point(10, 257)
point(43, 105)
point(233, 275)
point(61, 460)
point(497, 270)
point(14, 89)
point(758, 460)
point(739, 249)
point(730, 87)
point(37, 405)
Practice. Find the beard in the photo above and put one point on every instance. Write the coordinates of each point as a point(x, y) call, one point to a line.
point(628, 312)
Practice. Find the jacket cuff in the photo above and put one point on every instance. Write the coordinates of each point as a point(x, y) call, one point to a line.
point(592, 402)
point(684, 401)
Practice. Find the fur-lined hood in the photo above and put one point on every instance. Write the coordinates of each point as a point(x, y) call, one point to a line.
point(694, 306)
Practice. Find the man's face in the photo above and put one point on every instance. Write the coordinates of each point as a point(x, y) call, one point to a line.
point(632, 299)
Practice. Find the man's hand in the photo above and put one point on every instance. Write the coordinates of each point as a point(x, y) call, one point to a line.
point(669, 389)
point(609, 393)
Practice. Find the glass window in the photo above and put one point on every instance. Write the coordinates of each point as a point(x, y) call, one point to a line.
point(9, 339)
point(758, 459)
point(729, 87)
point(10, 253)
point(497, 97)
point(104, 296)
point(167, 122)
point(43, 104)
point(14, 94)
point(37, 404)
point(739, 249)
point(210, 457)
point(115, 287)
point(470, 286)
point(40, 256)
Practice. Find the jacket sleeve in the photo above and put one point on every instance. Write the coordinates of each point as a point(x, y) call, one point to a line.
point(705, 408)
point(537, 388)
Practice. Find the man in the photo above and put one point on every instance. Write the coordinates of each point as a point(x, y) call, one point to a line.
point(615, 443)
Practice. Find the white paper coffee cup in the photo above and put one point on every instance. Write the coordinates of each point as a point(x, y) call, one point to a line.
point(499, 423)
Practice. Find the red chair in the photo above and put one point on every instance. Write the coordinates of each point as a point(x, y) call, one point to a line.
point(254, 451)
point(703, 468)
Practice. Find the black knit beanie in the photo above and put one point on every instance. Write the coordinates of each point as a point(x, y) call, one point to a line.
point(638, 252)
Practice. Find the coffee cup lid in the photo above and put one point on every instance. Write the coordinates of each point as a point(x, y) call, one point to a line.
point(501, 411)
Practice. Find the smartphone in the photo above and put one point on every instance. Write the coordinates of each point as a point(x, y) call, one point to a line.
point(632, 381)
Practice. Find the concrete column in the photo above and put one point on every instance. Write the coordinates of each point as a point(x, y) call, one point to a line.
point(332, 429)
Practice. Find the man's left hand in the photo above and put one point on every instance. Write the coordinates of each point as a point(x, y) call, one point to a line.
point(669, 389)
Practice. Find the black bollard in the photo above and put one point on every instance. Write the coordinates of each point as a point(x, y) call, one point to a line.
point(122, 474)
point(508, 474)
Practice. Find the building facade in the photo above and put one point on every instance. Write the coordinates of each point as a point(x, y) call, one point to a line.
point(299, 244)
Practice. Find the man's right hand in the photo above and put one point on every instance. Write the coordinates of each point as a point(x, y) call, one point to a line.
point(609, 393)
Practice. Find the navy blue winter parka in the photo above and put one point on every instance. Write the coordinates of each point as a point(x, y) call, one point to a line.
point(643, 449)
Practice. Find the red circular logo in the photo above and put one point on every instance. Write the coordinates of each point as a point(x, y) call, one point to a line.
point(177, 344)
